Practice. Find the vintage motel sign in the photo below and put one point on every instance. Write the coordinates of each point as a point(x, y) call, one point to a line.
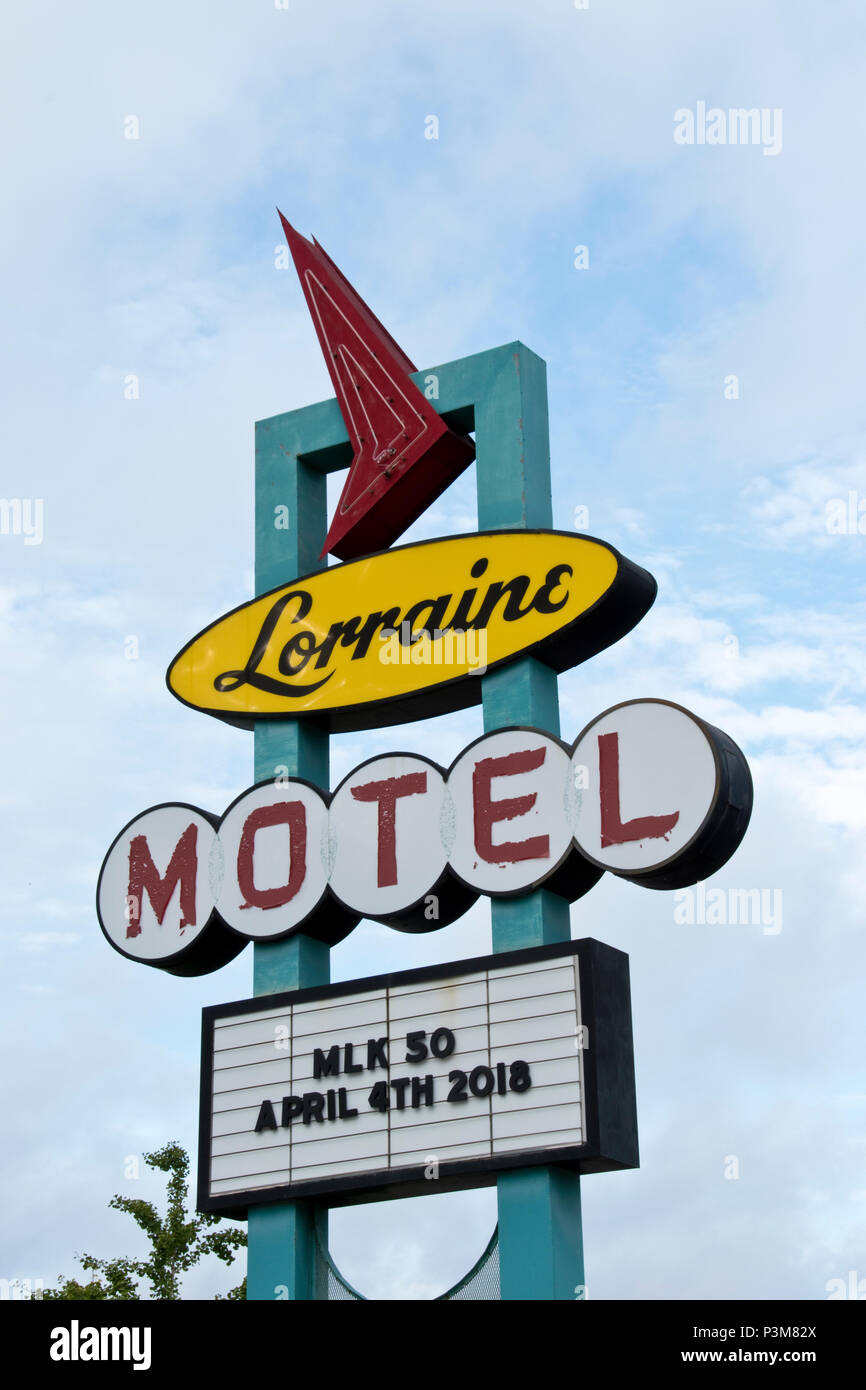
point(515, 1068)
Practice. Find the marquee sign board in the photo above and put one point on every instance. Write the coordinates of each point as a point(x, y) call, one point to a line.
point(424, 1081)
point(648, 791)
point(448, 610)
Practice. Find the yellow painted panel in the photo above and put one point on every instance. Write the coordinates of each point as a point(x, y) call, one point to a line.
point(318, 644)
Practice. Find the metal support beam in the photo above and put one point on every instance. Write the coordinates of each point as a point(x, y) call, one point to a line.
point(540, 1240)
point(284, 1239)
point(502, 395)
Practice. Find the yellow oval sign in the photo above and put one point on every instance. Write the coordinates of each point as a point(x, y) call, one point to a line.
point(407, 633)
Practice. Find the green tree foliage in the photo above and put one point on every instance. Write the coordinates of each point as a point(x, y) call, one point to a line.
point(178, 1241)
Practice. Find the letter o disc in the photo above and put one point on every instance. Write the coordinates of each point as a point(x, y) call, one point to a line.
point(271, 864)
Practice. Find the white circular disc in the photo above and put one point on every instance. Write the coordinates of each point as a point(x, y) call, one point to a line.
point(500, 848)
point(644, 780)
point(387, 850)
point(146, 911)
point(270, 858)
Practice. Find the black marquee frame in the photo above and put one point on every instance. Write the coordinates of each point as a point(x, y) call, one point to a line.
point(608, 1070)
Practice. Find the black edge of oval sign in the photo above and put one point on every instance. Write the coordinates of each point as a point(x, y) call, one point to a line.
point(724, 825)
point(214, 946)
point(330, 921)
point(629, 598)
point(726, 820)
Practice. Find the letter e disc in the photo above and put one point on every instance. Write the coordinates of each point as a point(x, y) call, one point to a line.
point(511, 831)
point(661, 797)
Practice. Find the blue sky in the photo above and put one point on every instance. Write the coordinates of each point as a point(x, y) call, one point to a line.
point(156, 257)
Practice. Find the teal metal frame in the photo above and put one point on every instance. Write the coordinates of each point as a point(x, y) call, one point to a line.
point(501, 395)
point(479, 1272)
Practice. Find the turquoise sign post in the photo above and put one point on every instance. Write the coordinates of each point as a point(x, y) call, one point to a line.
point(502, 396)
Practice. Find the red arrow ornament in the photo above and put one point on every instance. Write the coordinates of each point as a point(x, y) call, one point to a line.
point(405, 455)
